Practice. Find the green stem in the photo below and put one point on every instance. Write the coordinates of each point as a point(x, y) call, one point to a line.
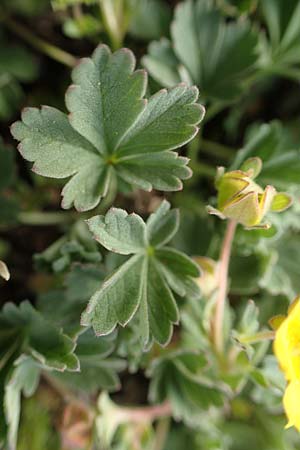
point(46, 218)
point(48, 49)
point(110, 20)
point(217, 325)
point(203, 169)
point(216, 149)
point(161, 435)
point(257, 337)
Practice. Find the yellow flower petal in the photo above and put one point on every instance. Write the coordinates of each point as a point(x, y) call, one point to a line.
point(287, 344)
point(291, 403)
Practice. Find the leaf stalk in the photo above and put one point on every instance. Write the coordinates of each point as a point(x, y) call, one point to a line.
point(217, 324)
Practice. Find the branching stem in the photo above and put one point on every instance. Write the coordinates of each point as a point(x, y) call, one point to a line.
point(217, 325)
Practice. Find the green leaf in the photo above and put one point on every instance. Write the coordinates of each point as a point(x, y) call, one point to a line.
point(203, 44)
point(118, 298)
point(76, 246)
point(239, 7)
point(84, 26)
point(24, 378)
point(16, 65)
point(141, 287)
point(282, 276)
point(162, 225)
point(180, 378)
point(280, 52)
point(111, 131)
point(162, 63)
point(272, 143)
point(98, 370)
point(63, 4)
point(246, 270)
point(281, 202)
point(63, 307)
point(150, 19)
point(178, 269)
point(119, 232)
point(29, 330)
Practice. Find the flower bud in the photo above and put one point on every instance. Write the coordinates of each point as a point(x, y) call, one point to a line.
point(243, 200)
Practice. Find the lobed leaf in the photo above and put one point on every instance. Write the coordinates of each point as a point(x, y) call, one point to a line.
point(180, 378)
point(141, 287)
point(43, 341)
point(112, 131)
point(119, 232)
point(24, 378)
point(98, 369)
point(202, 44)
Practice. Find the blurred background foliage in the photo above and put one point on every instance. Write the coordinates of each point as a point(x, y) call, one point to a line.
point(244, 56)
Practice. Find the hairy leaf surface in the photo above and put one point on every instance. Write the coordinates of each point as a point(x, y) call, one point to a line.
point(112, 131)
point(142, 286)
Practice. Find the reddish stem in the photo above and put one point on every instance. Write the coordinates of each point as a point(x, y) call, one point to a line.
point(144, 414)
point(217, 326)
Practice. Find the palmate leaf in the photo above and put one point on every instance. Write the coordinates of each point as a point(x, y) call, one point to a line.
point(75, 246)
point(280, 51)
point(63, 307)
point(25, 328)
point(201, 48)
point(24, 379)
point(28, 344)
point(180, 378)
point(142, 286)
point(150, 19)
point(98, 369)
point(112, 131)
point(277, 149)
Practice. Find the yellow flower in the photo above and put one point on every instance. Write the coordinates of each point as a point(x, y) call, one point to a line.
point(287, 351)
point(287, 343)
point(291, 403)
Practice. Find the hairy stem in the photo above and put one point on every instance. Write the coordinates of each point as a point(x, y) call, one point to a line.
point(144, 413)
point(43, 46)
point(217, 325)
